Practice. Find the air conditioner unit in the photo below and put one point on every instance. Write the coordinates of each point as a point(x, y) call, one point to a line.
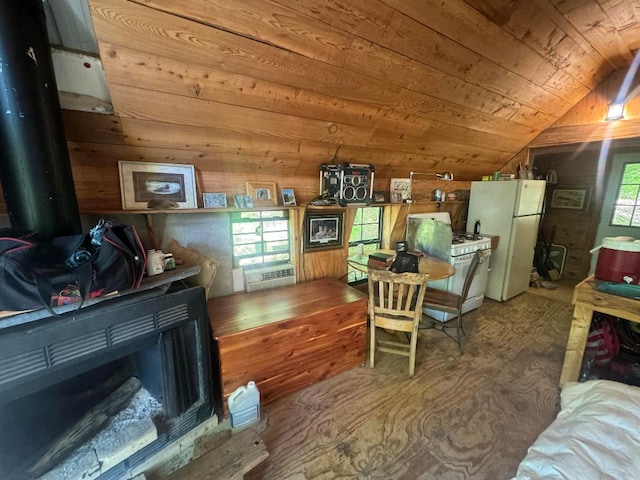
point(269, 277)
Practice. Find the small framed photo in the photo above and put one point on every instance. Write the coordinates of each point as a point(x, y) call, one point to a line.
point(573, 198)
point(243, 201)
point(400, 190)
point(263, 193)
point(157, 185)
point(323, 231)
point(380, 196)
point(214, 200)
point(288, 197)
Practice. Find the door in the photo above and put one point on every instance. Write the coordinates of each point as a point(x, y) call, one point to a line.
point(605, 229)
point(530, 197)
point(520, 256)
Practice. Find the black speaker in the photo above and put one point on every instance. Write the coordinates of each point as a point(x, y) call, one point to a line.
point(356, 184)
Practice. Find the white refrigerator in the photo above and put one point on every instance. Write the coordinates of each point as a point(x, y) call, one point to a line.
point(511, 210)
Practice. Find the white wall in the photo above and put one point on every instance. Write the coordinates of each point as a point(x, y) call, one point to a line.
point(206, 233)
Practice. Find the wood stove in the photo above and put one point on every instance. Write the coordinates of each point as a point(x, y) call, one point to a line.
point(54, 370)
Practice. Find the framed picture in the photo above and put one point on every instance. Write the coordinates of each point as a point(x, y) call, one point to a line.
point(572, 198)
point(157, 185)
point(400, 190)
point(214, 200)
point(263, 193)
point(323, 231)
point(243, 201)
point(380, 196)
point(288, 197)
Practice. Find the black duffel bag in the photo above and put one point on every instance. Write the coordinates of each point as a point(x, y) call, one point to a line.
point(37, 273)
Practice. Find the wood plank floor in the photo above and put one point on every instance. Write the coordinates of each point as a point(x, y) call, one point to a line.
point(563, 292)
point(469, 417)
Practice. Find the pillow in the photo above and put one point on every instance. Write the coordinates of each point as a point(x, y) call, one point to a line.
point(208, 266)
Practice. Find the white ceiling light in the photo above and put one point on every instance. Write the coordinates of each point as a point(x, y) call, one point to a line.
point(615, 111)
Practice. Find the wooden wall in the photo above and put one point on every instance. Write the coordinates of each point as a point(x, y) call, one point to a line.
point(574, 147)
point(584, 123)
point(574, 229)
point(276, 88)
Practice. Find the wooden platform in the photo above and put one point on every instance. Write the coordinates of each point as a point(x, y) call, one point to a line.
point(287, 338)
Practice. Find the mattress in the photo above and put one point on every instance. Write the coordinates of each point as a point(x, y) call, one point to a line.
point(596, 435)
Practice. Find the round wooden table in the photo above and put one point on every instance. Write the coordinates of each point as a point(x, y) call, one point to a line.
point(436, 269)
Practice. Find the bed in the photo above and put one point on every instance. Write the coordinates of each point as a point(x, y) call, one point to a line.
point(596, 435)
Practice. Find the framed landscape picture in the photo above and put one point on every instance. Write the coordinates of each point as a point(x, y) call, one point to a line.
point(288, 197)
point(323, 231)
point(146, 185)
point(572, 198)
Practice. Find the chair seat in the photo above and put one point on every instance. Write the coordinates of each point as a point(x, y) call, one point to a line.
point(441, 300)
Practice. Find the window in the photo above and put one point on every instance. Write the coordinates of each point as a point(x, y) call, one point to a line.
point(367, 229)
point(626, 210)
point(260, 237)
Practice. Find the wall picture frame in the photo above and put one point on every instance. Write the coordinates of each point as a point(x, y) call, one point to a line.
point(263, 193)
point(400, 190)
point(146, 185)
point(242, 200)
point(380, 196)
point(288, 197)
point(570, 198)
point(214, 200)
point(323, 231)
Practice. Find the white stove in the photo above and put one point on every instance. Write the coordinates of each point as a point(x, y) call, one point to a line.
point(461, 249)
point(464, 243)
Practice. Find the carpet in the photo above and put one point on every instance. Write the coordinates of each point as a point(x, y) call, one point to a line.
point(459, 417)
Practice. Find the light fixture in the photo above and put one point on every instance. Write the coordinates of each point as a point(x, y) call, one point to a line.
point(615, 111)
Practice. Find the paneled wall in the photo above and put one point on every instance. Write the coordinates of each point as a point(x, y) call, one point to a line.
point(573, 229)
point(573, 147)
point(584, 123)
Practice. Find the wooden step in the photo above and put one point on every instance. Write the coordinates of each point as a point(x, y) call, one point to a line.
point(228, 456)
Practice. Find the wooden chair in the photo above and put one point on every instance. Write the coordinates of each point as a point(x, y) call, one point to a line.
point(449, 302)
point(395, 303)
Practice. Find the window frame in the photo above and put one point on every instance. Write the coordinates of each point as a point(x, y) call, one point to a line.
point(616, 202)
point(355, 276)
point(237, 218)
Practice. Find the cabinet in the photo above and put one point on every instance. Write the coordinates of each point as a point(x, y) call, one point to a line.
point(288, 338)
point(587, 300)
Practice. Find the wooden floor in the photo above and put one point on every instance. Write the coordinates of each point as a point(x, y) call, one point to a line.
point(459, 417)
point(563, 292)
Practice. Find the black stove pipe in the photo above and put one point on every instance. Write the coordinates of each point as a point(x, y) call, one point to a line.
point(35, 170)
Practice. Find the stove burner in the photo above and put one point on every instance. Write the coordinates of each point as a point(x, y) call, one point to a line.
point(461, 237)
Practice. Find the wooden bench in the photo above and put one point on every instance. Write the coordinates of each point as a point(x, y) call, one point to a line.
point(288, 338)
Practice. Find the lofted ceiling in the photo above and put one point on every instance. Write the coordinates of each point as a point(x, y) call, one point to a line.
point(421, 85)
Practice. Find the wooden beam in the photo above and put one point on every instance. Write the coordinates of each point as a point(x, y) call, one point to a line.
point(592, 132)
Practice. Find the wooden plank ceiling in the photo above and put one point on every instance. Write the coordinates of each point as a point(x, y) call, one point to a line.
point(280, 86)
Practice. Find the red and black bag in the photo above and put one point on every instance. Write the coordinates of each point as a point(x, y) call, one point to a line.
point(36, 273)
point(602, 342)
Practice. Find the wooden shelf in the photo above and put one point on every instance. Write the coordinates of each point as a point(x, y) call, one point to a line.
point(185, 210)
point(270, 208)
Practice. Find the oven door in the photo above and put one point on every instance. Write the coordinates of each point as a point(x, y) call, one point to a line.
point(462, 264)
